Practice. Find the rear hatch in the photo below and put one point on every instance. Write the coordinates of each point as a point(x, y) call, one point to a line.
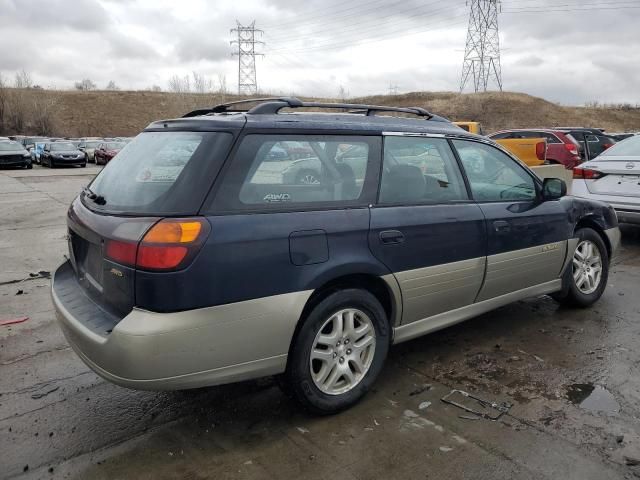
point(157, 175)
point(618, 177)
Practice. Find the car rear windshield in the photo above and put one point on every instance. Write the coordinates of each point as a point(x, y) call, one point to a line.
point(160, 173)
point(628, 147)
point(114, 145)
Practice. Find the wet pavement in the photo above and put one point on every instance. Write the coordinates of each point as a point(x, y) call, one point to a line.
point(571, 377)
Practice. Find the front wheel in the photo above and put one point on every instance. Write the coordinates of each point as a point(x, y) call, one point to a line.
point(338, 352)
point(586, 278)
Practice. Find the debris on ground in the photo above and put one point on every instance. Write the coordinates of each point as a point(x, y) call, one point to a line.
point(424, 405)
point(38, 395)
point(445, 449)
point(531, 355)
point(424, 388)
point(20, 292)
point(302, 430)
point(478, 406)
point(12, 321)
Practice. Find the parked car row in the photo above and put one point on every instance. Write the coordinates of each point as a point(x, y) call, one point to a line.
point(568, 146)
point(55, 152)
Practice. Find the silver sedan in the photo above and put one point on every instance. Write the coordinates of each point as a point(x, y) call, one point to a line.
point(613, 177)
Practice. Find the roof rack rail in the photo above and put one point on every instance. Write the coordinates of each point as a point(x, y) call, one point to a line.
point(274, 105)
point(227, 107)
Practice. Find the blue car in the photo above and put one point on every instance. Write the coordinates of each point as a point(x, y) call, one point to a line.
point(195, 260)
point(36, 151)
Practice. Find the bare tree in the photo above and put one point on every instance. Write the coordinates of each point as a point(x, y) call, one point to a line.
point(222, 84)
point(23, 79)
point(180, 84)
point(343, 93)
point(85, 85)
point(112, 86)
point(4, 100)
point(201, 84)
point(43, 113)
point(155, 88)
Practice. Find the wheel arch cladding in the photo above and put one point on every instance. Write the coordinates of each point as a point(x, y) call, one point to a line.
point(370, 283)
point(592, 222)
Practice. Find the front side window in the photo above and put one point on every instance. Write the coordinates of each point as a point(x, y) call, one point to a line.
point(420, 170)
point(284, 171)
point(493, 175)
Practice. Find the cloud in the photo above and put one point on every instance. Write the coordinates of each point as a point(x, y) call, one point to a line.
point(313, 48)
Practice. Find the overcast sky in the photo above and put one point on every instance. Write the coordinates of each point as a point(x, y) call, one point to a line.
point(571, 52)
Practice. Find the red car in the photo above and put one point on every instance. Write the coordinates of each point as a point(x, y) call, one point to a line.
point(106, 151)
point(562, 148)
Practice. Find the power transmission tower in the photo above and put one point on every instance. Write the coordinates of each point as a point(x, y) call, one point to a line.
point(393, 89)
point(482, 51)
point(246, 41)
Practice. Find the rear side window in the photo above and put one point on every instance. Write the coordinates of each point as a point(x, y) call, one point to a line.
point(290, 171)
point(420, 170)
point(161, 173)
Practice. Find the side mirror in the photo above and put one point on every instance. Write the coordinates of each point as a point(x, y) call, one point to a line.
point(553, 188)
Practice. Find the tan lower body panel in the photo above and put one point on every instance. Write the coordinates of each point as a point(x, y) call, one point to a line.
point(437, 322)
point(518, 269)
point(432, 290)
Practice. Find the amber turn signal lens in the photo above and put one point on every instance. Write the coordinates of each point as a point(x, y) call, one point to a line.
point(173, 231)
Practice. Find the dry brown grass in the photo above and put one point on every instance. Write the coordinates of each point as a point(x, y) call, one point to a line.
point(107, 113)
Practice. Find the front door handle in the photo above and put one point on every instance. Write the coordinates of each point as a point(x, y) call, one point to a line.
point(391, 236)
point(501, 226)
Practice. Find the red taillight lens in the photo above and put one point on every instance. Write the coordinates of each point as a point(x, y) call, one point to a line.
point(169, 244)
point(159, 257)
point(587, 173)
point(541, 150)
point(607, 145)
point(121, 252)
point(572, 148)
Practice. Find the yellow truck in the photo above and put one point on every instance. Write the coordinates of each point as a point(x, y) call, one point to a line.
point(530, 151)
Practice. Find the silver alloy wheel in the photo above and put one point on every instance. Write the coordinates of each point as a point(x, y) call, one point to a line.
point(309, 179)
point(587, 267)
point(342, 351)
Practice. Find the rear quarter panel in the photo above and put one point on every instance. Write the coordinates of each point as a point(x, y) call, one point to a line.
point(523, 148)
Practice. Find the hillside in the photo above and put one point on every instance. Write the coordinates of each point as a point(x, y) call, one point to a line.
point(106, 113)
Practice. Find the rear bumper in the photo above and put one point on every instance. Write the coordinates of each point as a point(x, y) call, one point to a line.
point(173, 351)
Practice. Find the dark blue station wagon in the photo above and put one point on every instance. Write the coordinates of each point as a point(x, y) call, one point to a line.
point(238, 243)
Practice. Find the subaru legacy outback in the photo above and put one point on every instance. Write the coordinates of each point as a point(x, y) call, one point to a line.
point(238, 242)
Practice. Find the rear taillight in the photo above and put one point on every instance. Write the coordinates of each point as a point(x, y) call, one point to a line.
point(607, 145)
point(587, 173)
point(168, 245)
point(541, 150)
point(573, 149)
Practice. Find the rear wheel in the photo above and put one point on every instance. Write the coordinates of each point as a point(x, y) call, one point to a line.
point(338, 352)
point(586, 278)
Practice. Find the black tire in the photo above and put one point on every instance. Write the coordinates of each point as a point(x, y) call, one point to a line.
point(570, 294)
point(29, 166)
point(84, 165)
point(299, 381)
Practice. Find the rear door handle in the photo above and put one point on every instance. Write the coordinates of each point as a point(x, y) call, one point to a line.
point(501, 226)
point(391, 236)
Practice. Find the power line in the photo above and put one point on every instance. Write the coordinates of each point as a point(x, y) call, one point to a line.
point(246, 41)
point(482, 51)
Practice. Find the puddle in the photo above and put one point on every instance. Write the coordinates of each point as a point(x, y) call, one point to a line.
point(592, 397)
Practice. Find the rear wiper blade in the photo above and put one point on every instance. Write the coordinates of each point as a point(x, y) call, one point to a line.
point(91, 195)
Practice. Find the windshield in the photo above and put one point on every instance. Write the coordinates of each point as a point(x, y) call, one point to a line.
point(629, 147)
point(161, 173)
point(62, 146)
point(10, 147)
point(91, 144)
point(114, 146)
